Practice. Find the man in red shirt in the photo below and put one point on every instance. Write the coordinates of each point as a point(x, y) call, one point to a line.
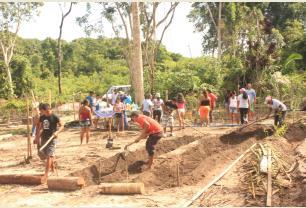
point(213, 99)
point(152, 130)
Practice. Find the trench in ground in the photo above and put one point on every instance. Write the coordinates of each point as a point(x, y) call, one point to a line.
point(193, 158)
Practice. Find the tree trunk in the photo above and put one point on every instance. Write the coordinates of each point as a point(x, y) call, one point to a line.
point(59, 65)
point(10, 81)
point(219, 31)
point(137, 67)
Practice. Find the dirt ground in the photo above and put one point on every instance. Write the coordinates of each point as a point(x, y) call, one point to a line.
point(184, 164)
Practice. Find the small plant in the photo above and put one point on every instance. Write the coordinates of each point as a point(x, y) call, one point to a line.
point(280, 131)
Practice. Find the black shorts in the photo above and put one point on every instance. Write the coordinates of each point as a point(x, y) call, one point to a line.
point(118, 115)
point(146, 113)
point(152, 141)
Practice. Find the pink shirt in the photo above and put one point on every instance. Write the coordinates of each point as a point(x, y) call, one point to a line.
point(181, 105)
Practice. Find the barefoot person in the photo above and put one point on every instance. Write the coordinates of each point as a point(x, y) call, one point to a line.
point(181, 109)
point(47, 128)
point(151, 130)
point(85, 118)
point(279, 109)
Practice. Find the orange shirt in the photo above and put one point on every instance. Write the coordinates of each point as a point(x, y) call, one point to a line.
point(154, 126)
point(213, 99)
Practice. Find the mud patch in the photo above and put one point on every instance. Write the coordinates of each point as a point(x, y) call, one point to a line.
point(296, 132)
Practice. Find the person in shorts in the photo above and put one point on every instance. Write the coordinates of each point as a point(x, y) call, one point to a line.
point(243, 104)
point(47, 128)
point(157, 107)
point(151, 130)
point(181, 109)
point(204, 109)
point(119, 117)
point(213, 99)
point(233, 107)
point(167, 118)
point(85, 118)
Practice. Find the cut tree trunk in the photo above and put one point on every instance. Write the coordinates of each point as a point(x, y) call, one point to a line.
point(29, 179)
point(65, 183)
point(122, 188)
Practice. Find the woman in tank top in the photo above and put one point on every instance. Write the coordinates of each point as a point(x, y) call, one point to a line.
point(181, 109)
point(85, 118)
point(204, 109)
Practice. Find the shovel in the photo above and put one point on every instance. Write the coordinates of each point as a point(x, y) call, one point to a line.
point(43, 147)
point(262, 119)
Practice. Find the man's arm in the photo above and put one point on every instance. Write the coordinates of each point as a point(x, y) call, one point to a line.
point(270, 110)
point(38, 133)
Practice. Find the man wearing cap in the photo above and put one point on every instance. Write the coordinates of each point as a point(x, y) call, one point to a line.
point(279, 110)
point(157, 107)
point(151, 130)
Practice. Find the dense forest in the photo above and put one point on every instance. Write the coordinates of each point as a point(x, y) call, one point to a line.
point(263, 43)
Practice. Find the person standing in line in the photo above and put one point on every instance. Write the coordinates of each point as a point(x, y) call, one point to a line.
point(243, 104)
point(91, 100)
point(157, 107)
point(47, 128)
point(167, 118)
point(279, 109)
point(85, 118)
point(114, 96)
point(233, 107)
point(118, 109)
point(181, 109)
point(226, 102)
point(213, 99)
point(204, 109)
point(252, 96)
point(147, 105)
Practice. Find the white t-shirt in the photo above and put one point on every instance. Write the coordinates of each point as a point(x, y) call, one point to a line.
point(243, 103)
point(158, 104)
point(278, 105)
point(233, 102)
point(147, 105)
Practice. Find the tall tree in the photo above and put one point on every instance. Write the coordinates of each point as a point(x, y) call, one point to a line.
point(59, 46)
point(11, 17)
point(137, 67)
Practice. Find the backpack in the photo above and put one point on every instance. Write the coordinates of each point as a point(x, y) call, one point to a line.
point(245, 95)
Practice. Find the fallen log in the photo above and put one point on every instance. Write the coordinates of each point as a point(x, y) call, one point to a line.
point(65, 183)
point(29, 179)
point(122, 188)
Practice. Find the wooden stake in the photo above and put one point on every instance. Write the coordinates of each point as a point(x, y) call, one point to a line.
point(166, 95)
point(269, 184)
point(73, 107)
point(178, 173)
point(29, 150)
point(50, 101)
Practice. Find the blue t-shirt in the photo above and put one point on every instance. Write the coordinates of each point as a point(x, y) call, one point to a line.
point(252, 94)
point(90, 100)
point(128, 100)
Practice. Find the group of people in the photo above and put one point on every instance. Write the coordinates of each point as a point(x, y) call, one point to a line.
point(156, 116)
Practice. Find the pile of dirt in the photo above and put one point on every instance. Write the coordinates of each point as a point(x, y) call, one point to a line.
point(258, 131)
point(296, 132)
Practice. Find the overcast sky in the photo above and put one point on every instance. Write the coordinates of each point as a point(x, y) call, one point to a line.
point(179, 37)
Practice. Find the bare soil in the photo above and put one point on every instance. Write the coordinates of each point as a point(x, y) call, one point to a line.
point(184, 164)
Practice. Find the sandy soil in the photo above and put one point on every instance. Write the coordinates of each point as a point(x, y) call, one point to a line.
point(198, 153)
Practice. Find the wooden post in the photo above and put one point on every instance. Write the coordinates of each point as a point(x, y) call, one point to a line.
point(65, 183)
point(30, 179)
point(122, 188)
point(73, 107)
point(29, 149)
point(269, 184)
point(50, 101)
point(178, 173)
point(166, 95)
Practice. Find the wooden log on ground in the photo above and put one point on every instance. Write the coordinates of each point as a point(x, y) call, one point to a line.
point(122, 188)
point(29, 179)
point(65, 183)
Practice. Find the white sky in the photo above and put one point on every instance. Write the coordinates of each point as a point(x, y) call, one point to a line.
point(178, 38)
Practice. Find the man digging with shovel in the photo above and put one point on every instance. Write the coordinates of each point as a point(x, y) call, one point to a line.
point(151, 130)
